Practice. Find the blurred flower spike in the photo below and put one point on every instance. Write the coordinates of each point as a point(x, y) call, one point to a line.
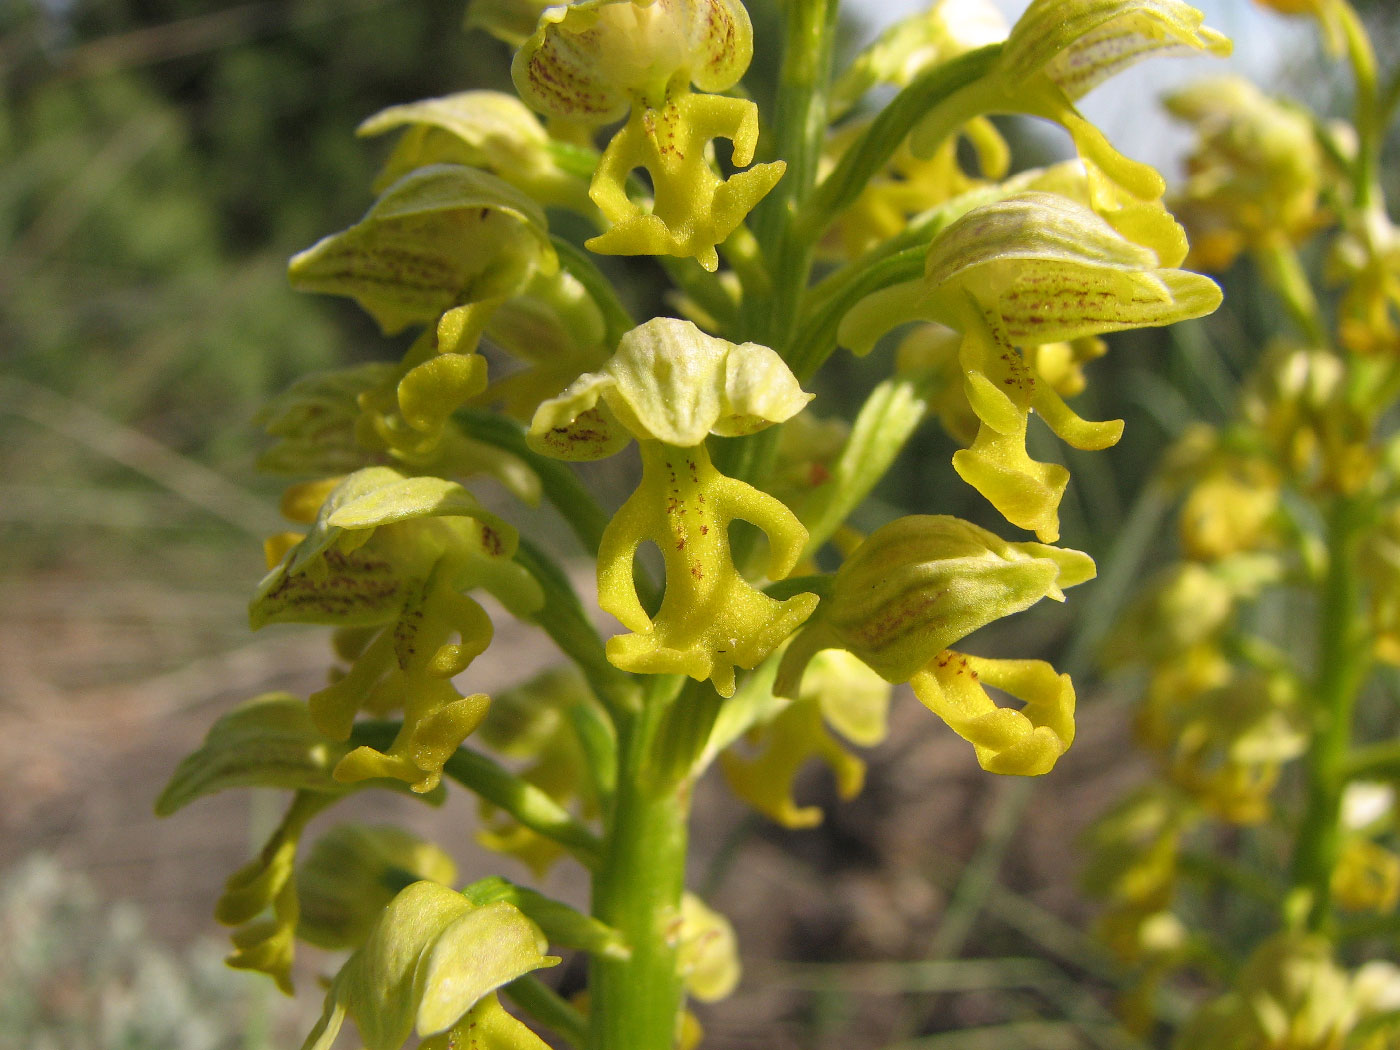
point(596, 61)
point(670, 386)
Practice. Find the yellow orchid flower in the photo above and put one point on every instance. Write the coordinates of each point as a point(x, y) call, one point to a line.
point(670, 386)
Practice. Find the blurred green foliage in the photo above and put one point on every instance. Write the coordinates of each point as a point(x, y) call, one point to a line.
point(163, 158)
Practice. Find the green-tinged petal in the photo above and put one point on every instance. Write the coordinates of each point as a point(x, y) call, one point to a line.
point(676, 385)
point(1027, 742)
point(1080, 43)
point(575, 426)
point(378, 987)
point(669, 382)
point(378, 535)
point(1030, 227)
point(487, 947)
point(269, 741)
point(430, 958)
point(440, 236)
point(590, 61)
point(1049, 306)
point(921, 583)
point(352, 872)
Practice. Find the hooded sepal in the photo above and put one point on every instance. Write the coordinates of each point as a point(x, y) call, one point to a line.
point(921, 583)
point(439, 237)
point(490, 130)
point(430, 959)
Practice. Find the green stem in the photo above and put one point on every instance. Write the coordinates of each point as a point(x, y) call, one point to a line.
point(800, 124)
point(1369, 112)
point(635, 1004)
point(884, 425)
point(1343, 663)
point(938, 88)
point(1284, 272)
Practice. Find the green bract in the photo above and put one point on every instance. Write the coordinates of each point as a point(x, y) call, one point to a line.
point(269, 741)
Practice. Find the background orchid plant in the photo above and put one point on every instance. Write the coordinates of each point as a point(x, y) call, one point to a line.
point(1262, 857)
point(826, 223)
